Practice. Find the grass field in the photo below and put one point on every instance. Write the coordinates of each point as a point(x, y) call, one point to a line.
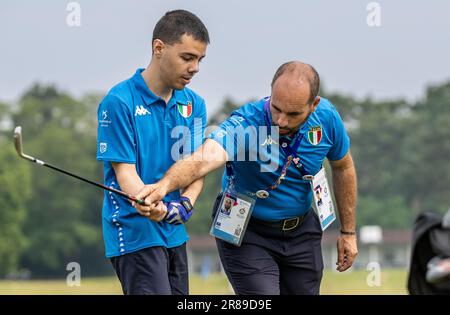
point(354, 282)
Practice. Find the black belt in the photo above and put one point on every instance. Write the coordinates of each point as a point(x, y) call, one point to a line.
point(282, 225)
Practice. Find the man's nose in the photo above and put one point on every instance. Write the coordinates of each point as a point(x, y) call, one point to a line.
point(194, 68)
point(282, 121)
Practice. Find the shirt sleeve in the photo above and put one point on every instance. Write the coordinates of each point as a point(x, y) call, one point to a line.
point(198, 133)
point(115, 141)
point(235, 135)
point(341, 140)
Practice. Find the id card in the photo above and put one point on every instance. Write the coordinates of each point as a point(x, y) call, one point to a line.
point(322, 199)
point(232, 216)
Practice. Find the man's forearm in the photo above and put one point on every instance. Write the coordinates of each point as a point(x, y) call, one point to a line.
point(344, 184)
point(194, 190)
point(205, 159)
point(127, 177)
point(181, 174)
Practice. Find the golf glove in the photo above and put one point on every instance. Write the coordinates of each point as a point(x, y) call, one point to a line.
point(179, 211)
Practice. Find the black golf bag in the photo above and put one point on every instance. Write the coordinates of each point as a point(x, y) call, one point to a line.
point(429, 271)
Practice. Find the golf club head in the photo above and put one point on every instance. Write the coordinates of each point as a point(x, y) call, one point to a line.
point(18, 144)
point(18, 140)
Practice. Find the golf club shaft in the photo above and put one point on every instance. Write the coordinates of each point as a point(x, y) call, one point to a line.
point(121, 193)
point(19, 149)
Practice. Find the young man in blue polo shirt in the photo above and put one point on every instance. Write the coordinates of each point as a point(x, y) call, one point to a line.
point(140, 123)
point(280, 252)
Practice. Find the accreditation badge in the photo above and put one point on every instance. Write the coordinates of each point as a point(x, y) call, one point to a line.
point(232, 216)
point(322, 199)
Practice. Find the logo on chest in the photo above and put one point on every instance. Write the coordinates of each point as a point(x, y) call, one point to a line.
point(185, 110)
point(315, 135)
point(141, 111)
point(269, 141)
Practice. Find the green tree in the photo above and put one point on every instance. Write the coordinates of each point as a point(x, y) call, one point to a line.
point(47, 219)
point(14, 193)
point(377, 131)
point(64, 213)
point(427, 152)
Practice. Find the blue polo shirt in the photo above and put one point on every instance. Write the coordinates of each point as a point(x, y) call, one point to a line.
point(322, 136)
point(137, 127)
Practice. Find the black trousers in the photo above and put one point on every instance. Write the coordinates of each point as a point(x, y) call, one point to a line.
point(271, 261)
point(153, 270)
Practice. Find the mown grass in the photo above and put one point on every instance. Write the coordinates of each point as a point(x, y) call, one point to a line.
point(353, 282)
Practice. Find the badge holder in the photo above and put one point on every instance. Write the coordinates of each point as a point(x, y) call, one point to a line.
point(232, 216)
point(322, 199)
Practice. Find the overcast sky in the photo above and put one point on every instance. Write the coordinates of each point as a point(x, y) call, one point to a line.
point(249, 40)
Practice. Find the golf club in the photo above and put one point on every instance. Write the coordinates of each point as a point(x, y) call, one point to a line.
point(19, 149)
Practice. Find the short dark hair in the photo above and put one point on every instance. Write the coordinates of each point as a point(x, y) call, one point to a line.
point(312, 78)
point(174, 24)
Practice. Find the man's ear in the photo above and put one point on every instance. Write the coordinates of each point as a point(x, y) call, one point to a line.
point(158, 47)
point(315, 103)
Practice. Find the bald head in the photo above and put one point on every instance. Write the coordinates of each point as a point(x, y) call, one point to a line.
point(294, 97)
point(298, 76)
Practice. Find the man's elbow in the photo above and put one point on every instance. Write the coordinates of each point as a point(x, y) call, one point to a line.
point(203, 168)
point(208, 157)
point(344, 164)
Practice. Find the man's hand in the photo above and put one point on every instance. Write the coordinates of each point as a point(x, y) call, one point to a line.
point(156, 212)
point(347, 251)
point(152, 195)
point(154, 208)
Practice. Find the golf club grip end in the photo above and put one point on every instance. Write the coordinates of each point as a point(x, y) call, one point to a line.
point(140, 202)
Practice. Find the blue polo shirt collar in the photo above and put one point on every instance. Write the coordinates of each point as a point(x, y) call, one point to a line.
point(149, 97)
point(306, 125)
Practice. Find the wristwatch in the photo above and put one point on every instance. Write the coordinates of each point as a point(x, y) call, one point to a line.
point(186, 204)
point(348, 232)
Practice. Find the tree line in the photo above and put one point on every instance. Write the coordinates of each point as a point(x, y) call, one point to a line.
point(401, 150)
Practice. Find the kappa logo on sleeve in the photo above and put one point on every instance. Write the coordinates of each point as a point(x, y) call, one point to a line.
point(236, 120)
point(221, 134)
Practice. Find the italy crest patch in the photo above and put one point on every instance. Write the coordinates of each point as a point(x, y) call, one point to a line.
point(315, 135)
point(185, 109)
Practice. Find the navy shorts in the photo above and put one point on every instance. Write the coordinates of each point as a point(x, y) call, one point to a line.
point(153, 270)
point(282, 257)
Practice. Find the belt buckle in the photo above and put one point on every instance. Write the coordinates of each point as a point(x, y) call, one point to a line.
point(296, 219)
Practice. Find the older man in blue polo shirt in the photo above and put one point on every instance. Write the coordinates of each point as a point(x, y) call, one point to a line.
point(280, 252)
point(140, 121)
